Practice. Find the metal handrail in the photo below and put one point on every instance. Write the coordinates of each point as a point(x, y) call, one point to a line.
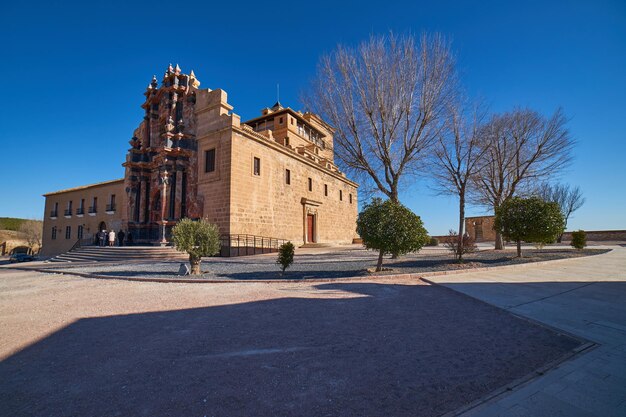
point(249, 244)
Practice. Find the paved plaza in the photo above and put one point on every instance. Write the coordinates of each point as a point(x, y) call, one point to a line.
point(586, 297)
point(78, 346)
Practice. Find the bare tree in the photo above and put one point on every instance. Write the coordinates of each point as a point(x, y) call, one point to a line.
point(522, 147)
point(32, 230)
point(568, 198)
point(386, 99)
point(457, 158)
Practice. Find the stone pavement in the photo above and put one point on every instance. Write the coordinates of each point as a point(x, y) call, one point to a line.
point(585, 297)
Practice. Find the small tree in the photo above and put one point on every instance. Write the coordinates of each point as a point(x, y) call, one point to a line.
point(460, 247)
point(390, 228)
point(579, 239)
point(530, 220)
point(198, 239)
point(32, 231)
point(285, 256)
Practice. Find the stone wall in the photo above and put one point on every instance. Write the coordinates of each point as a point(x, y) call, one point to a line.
point(481, 228)
point(266, 205)
point(599, 236)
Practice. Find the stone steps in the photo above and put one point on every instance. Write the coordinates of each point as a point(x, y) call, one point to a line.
point(117, 253)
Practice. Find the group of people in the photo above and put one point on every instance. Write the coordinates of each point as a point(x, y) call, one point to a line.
point(110, 238)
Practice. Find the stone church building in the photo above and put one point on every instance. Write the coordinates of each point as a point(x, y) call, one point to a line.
point(273, 176)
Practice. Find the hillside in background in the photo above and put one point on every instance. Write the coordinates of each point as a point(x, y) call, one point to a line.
point(12, 223)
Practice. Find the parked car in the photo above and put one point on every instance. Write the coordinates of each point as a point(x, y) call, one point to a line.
point(21, 257)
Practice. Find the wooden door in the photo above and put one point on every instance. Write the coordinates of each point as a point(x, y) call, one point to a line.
point(310, 223)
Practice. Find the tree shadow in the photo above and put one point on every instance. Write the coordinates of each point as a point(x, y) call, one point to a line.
point(379, 350)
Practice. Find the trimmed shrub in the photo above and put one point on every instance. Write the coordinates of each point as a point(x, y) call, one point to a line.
point(390, 227)
point(433, 242)
point(285, 255)
point(529, 220)
point(579, 239)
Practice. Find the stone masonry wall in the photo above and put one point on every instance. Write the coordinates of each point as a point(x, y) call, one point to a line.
point(265, 205)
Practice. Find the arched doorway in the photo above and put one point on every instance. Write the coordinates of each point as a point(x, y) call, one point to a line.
point(102, 226)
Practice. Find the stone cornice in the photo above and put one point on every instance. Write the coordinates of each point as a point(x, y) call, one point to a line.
point(289, 152)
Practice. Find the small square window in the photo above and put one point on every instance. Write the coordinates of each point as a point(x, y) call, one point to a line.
point(287, 177)
point(257, 166)
point(310, 184)
point(209, 160)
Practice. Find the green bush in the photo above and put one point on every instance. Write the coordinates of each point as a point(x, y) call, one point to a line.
point(198, 239)
point(285, 255)
point(433, 242)
point(390, 227)
point(579, 239)
point(529, 220)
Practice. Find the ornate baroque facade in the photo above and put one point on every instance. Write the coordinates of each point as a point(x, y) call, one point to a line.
point(191, 156)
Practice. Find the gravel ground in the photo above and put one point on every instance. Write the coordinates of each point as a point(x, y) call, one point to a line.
point(331, 264)
point(82, 347)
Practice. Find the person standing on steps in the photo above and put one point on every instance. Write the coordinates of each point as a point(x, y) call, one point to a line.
point(102, 236)
point(111, 238)
point(120, 237)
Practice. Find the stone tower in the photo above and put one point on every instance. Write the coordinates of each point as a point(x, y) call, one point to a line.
point(161, 165)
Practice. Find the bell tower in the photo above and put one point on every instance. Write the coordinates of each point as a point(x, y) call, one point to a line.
point(161, 164)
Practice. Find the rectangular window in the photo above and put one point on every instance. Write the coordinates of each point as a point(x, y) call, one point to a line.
point(350, 198)
point(68, 232)
point(287, 141)
point(80, 231)
point(287, 177)
point(257, 166)
point(209, 160)
point(310, 184)
point(280, 120)
point(112, 199)
point(54, 233)
point(340, 195)
point(325, 190)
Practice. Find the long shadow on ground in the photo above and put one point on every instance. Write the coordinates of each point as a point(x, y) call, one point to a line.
point(390, 350)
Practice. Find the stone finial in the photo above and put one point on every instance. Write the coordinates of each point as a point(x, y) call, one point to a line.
point(195, 83)
point(177, 70)
point(170, 69)
point(154, 82)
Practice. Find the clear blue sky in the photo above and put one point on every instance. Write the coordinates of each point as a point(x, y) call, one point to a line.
point(74, 75)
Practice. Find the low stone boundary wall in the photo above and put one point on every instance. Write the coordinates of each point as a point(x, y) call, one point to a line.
point(600, 235)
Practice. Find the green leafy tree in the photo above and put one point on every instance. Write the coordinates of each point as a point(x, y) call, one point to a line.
point(390, 228)
point(198, 239)
point(530, 220)
point(579, 239)
point(285, 255)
